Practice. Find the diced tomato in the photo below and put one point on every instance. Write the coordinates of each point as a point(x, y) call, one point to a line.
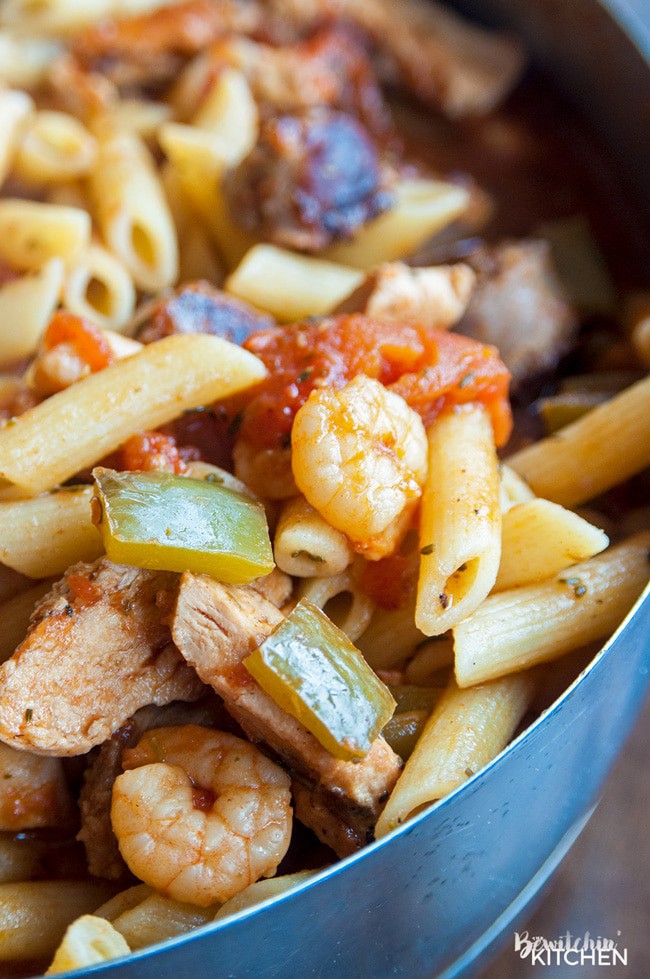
point(149, 451)
point(431, 370)
point(84, 591)
point(87, 340)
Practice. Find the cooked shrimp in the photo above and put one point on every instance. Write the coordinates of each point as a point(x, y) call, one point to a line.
point(359, 456)
point(199, 814)
point(33, 791)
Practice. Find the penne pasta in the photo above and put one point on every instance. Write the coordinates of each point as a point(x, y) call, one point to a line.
point(26, 307)
point(460, 524)
point(62, 17)
point(31, 233)
point(391, 636)
point(603, 448)
point(422, 208)
point(519, 628)
point(99, 288)
point(539, 538)
point(88, 941)
point(97, 414)
point(124, 901)
point(55, 148)
point(20, 858)
point(15, 110)
point(156, 918)
point(132, 211)
point(35, 914)
point(513, 488)
point(24, 61)
point(431, 657)
point(142, 117)
point(306, 545)
point(15, 614)
point(43, 536)
point(291, 286)
point(229, 114)
point(260, 891)
point(345, 604)
point(466, 729)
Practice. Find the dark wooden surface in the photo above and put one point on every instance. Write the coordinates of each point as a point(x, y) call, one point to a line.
point(603, 886)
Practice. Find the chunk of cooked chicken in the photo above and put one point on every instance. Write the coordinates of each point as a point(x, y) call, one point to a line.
point(96, 833)
point(215, 627)
point(519, 306)
point(98, 649)
point(314, 177)
point(33, 792)
point(435, 297)
point(197, 307)
point(442, 59)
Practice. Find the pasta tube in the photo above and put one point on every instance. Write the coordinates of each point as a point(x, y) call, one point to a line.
point(31, 233)
point(291, 286)
point(55, 148)
point(15, 614)
point(460, 526)
point(520, 628)
point(422, 209)
point(466, 729)
point(540, 538)
point(99, 413)
point(88, 941)
point(26, 307)
point(260, 891)
point(34, 915)
point(156, 918)
point(345, 603)
point(132, 210)
point(44, 536)
point(604, 447)
point(306, 545)
point(24, 61)
point(99, 288)
point(15, 109)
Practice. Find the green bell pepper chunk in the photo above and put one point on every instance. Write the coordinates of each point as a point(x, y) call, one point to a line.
point(312, 670)
point(165, 522)
point(414, 704)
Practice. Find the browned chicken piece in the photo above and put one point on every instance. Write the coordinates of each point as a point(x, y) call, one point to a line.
point(197, 307)
point(518, 305)
point(96, 833)
point(313, 178)
point(445, 61)
point(330, 68)
point(98, 649)
point(33, 792)
point(78, 90)
point(151, 48)
point(215, 627)
point(435, 297)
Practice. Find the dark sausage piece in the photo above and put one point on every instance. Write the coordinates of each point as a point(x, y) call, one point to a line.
point(197, 307)
point(314, 177)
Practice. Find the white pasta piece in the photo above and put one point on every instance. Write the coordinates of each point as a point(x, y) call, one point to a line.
point(62, 17)
point(99, 288)
point(15, 110)
point(460, 524)
point(43, 536)
point(132, 211)
point(31, 233)
point(466, 729)
point(519, 628)
point(88, 941)
point(260, 891)
point(391, 636)
point(540, 538)
point(99, 413)
point(26, 307)
point(229, 114)
point(24, 61)
point(306, 545)
point(142, 117)
point(342, 600)
point(429, 659)
point(422, 208)
point(156, 918)
point(35, 914)
point(513, 489)
point(604, 447)
point(55, 148)
point(291, 286)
